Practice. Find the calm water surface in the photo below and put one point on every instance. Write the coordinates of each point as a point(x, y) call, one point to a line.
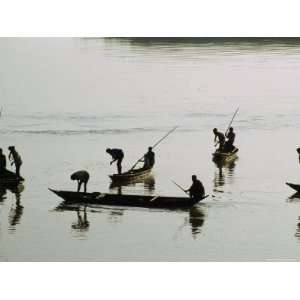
point(66, 100)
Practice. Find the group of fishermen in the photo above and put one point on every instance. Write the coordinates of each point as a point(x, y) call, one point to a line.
point(195, 191)
point(82, 176)
point(14, 158)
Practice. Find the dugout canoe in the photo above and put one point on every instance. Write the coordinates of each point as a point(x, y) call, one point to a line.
point(126, 200)
point(10, 178)
point(225, 156)
point(133, 175)
point(295, 187)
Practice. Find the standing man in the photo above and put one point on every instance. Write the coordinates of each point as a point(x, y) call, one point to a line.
point(196, 190)
point(117, 155)
point(82, 177)
point(149, 158)
point(221, 139)
point(15, 159)
point(230, 135)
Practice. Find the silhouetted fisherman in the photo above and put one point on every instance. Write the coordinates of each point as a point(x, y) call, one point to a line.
point(82, 177)
point(149, 158)
point(298, 151)
point(117, 155)
point(230, 135)
point(196, 190)
point(221, 139)
point(15, 159)
point(2, 163)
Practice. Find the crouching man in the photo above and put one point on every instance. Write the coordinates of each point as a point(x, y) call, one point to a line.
point(82, 177)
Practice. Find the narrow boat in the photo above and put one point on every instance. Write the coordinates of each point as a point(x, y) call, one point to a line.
point(225, 156)
point(295, 187)
point(132, 175)
point(127, 200)
point(10, 178)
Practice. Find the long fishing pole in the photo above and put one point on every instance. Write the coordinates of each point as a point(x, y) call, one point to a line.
point(156, 144)
point(179, 186)
point(235, 113)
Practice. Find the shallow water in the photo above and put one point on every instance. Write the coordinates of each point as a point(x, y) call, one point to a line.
point(66, 100)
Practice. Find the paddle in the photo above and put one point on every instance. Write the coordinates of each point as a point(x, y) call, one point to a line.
point(180, 187)
point(158, 142)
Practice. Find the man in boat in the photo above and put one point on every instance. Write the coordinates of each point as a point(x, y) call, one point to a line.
point(230, 135)
point(2, 163)
point(15, 159)
point(117, 155)
point(196, 190)
point(220, 137)
point(149, 158)
point(298, 151)
point(82, 177)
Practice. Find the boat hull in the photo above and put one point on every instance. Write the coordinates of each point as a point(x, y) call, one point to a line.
point(295, 187)
point(225, 156)
point(130, 176)
point(127, 200)
point(10, 178)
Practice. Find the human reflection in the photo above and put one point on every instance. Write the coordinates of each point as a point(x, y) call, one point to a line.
point(149, 184)
point(224, 171)
point(16, 211)
point(82, 224)
point(115, 215)
point(196, 219)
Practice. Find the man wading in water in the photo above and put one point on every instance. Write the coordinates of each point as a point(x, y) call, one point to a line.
point(15, 159)
point(82, 177)
point(117, 155)
point(197, 189)
point(149, 158)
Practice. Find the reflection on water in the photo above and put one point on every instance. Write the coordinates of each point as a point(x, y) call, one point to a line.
point(82, 223)
point(148, 185)
point(297, 234)
point(16, 210)
point(196, 219)
point(224, 172)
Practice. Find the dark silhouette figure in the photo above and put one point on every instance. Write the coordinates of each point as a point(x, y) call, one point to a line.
point(2, 163)
point(149, 158)
point(230, 135)
point(298, 151)
point(197, 189)
point(219, 138)
point(117, 155)
point(82, 222)
point(82, 177)
point(15, 159)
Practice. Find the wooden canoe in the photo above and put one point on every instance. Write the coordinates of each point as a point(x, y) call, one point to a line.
point(133, 175)
point(126, 200)
point(10, 178)
point(295, 187)
point(225, 156)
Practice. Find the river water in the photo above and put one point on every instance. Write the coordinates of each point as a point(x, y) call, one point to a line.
point(66, 100)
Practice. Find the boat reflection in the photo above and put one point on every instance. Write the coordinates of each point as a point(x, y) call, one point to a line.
point(197, 216)
point(16, 210)
point(148, 184)
point(224, 172)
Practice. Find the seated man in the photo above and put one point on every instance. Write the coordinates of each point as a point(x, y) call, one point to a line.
point(81, 176)
point(149, 158)
point(230, 140)
point(196, 190)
